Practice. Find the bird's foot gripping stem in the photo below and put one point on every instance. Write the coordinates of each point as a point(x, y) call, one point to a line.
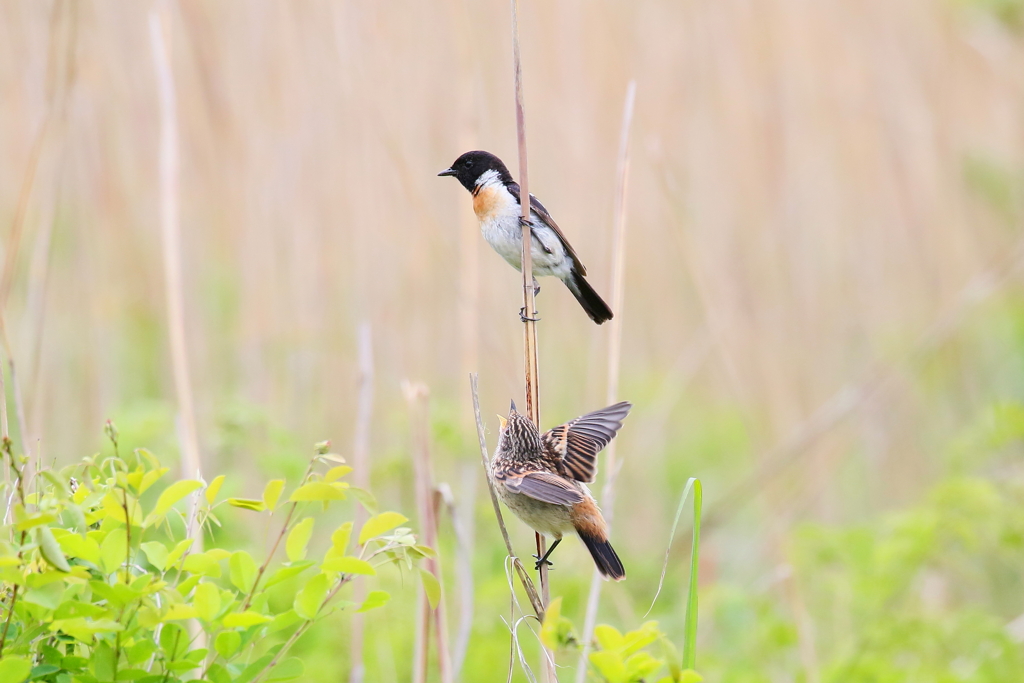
point(541, 561)
point(523, 318)
point(545, 560)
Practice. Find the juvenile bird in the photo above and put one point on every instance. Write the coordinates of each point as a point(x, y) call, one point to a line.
point(542, 479)
point(496, 203)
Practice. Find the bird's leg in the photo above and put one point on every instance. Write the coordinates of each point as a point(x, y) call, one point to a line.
point(523, 318)
point(544, 560)
point(536, 287)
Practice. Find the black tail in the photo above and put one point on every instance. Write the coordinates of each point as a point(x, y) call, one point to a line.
point(607, 561)
point(591, 302)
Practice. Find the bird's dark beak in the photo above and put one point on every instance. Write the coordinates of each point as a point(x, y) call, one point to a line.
point(512, 408)
point(448, 171)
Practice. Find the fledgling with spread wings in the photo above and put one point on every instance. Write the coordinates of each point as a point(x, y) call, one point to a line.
point(543, 478)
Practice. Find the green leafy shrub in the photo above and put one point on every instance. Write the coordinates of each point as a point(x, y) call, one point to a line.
point(102, 577)
point(620, 658)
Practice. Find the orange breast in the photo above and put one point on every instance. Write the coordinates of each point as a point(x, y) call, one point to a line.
point(488, 202)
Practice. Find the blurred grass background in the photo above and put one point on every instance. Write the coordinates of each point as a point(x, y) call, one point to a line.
point(823, 320)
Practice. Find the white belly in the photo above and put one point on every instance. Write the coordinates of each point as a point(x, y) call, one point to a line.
point(498, 213)
point(504, 235)
point(547, 518)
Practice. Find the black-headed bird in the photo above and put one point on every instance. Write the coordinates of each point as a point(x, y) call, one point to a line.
point(496, 204)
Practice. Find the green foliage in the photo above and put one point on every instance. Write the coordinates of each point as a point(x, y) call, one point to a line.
point(645, 654)
point(101, 579)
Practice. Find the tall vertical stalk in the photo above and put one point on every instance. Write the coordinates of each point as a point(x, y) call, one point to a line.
point(426, 501)
point(361, 462)
point(529, 302)
point(614, 360)
point(170, 231)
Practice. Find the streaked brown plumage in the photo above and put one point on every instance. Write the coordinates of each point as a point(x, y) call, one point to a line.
point(542, 478)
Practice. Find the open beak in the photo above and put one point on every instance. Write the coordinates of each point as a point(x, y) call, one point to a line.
point(502, 421)
point(448, 171)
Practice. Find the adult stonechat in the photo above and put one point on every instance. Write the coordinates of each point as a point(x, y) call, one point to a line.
point(496, 204)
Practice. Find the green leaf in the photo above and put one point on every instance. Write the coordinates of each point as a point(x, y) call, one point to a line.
point(283, 620)
point(365, 498)
point(382, 523)
point(298, 538)
point(206, 599)
point(285, 573)
point(114, 550)
point(610, 665)
point(202, 564)
point(272, 492)
point(317, 491)
point(432, 587)
point(179, 550)
point(48, 596)
point(287, 670)
point(42, 670)
point(50, 549)
point(340, 538)
point(690, 676)
point(74, 545)
point(156, 553)
point(33, 521)
point(245, 619)
point(549, 629)
point(104, 661)
point(640, 638)
point(180, 610)
point(374, 600)
point(171, 495)
point(149, 478)
point(309, 599)
point(242, 571)
point(641, 665)
point(336, 473)
point(348, 565)
point(609, 637)
point(227, 643)
point(247, 504)
point(173, 640)
point(213, 488)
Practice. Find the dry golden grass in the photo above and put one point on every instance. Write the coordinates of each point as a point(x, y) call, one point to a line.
point(798, 215)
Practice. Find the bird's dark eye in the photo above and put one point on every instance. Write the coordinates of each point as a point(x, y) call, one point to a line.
point(469, 163)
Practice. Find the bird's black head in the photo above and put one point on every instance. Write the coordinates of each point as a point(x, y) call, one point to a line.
point(470, 166)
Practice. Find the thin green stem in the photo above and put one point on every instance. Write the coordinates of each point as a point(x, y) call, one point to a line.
point(277, 542)
point(690, 639)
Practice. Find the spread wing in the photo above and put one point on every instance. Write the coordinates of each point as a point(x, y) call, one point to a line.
point(544, 486)
point(578, 441)
point(538, 208)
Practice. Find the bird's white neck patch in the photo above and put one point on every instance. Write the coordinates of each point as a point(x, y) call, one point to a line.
point(488, 179)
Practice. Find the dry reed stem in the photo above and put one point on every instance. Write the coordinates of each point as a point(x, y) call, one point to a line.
point(529, 302)
point(524, 578)
point(463, 567)
point(614, 361)
point(416, 395)
point(55, 108)
point(5, 436)
point(361, 463)
point(35, 154)
point(170, 230)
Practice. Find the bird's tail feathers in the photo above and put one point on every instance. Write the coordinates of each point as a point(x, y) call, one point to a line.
point(608, 563)
point(589, 299)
